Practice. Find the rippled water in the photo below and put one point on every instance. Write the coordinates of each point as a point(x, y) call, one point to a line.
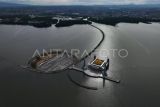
point(139, 72)
point(20, 42)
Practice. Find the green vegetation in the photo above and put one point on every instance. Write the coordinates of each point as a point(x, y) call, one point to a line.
point(63, 23)
point(40, 21)
point(115, 20)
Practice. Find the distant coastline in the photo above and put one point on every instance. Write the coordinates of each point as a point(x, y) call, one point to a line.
point(41, 21)
point(46, 21)
point(115, 20)
point(63, 16)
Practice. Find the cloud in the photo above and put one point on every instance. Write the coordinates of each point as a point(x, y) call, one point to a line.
point(114, 1)
point(45, 2)
point(105, 2)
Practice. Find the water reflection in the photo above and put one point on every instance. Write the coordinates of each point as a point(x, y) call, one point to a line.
point(22, 41)
point(139, 72)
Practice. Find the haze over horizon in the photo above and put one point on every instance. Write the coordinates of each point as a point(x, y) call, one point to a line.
point(82, 2)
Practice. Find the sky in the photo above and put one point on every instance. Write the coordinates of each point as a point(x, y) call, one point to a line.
point(83, 2)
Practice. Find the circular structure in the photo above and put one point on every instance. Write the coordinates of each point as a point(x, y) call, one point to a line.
point(52, 62)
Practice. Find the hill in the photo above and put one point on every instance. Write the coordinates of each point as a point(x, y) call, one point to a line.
point(6, 4)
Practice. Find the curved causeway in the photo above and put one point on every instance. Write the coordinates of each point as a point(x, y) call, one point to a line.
point(102, 39)
point(45, 65)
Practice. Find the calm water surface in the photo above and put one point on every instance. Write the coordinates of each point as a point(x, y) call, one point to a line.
point(139, 72)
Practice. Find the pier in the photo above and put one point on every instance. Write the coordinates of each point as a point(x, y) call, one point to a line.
point(98, 76)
